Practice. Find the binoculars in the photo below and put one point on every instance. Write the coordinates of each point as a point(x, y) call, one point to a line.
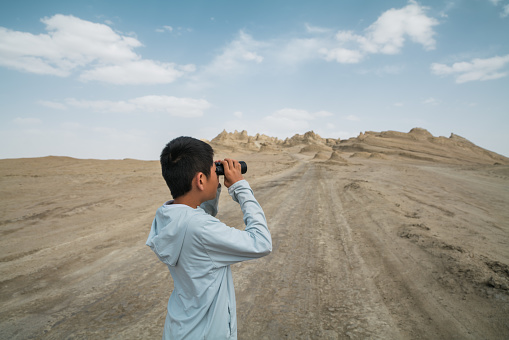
point(220, 169)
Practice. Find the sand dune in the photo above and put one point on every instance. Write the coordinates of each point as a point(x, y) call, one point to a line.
point(386, 235)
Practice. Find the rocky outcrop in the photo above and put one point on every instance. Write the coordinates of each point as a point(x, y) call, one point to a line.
point(420, 144)
point(417, 144)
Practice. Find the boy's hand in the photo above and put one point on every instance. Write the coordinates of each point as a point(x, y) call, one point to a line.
point(232, 172)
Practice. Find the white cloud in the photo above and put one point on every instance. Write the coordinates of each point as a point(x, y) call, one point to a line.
point(342, 55)
point(298, 50)
point(183, 29)
point(399, 104)
point(505, 11)
point(316, 29)
point(284, 125)
point(505, 8)
point(102, 105)
point(431, 101)
point(289, 120)
point(27, 121)
point(164, 29)
point(235, 58)
point(391, 69)
point(384, 70)
point(476, 69)
point(389, 31)
point(52, 105)
point(238, 114)
point(70, 126)
point(352, 118)
point(181, 107)
point(449, 6)
point(242, 51)
point(187, 68)
point(134, 72)
point(293, 114)
point(323, 114)
point(386, 35)
point(73, 44)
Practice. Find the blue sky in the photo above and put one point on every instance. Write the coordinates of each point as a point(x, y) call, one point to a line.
point(119, 79)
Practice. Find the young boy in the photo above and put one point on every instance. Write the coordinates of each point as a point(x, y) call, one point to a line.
point(198, 248)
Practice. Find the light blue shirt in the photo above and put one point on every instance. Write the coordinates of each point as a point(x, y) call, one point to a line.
point(198, 249)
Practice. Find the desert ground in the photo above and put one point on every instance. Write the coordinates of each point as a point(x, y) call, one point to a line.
point(384, 236)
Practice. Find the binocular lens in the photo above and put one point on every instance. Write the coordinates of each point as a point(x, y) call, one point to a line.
point(220, 169)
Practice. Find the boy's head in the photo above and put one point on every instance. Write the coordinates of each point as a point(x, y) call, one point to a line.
point(181, 160)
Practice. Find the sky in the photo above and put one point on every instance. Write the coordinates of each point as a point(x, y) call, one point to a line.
point(120, 79)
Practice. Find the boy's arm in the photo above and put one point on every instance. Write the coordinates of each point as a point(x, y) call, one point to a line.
point(227, 245)
point(211, 207)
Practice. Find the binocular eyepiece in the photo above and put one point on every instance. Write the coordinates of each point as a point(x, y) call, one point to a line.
point(220, 169)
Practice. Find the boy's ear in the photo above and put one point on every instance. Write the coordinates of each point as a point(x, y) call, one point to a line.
point(199, 181)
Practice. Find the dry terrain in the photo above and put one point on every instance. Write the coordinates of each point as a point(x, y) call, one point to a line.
point(384, 236)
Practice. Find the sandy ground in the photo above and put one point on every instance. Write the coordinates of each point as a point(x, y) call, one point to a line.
point(377, 248)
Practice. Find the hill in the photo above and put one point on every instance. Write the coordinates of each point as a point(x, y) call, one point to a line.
point(417, 144)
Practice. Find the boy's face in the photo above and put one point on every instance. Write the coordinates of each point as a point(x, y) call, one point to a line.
point(212, 183)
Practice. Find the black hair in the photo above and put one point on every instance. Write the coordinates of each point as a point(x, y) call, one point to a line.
point(181, 159)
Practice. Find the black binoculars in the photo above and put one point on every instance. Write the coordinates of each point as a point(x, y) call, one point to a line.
point(220, 169)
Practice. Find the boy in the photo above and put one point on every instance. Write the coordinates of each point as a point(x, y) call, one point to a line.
point(198, 248)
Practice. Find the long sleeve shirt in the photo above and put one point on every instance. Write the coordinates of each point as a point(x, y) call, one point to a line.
point(198, 250)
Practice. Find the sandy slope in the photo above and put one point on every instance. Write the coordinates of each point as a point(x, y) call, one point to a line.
point(374, 247)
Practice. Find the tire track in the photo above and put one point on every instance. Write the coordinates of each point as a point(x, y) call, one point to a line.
point(314, 284)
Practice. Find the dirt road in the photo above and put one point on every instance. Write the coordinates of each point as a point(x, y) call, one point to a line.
point(370, 250)
point(315, 284)
point(345, 265)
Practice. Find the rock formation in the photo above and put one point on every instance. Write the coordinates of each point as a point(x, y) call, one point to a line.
point(417, 144)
